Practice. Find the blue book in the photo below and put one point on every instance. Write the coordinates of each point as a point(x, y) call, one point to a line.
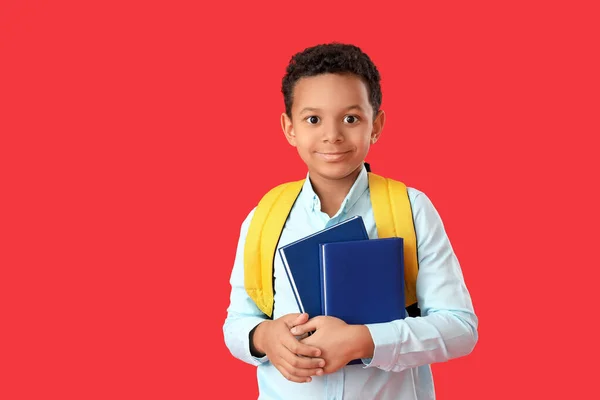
point(362, 282)
point(302, 265)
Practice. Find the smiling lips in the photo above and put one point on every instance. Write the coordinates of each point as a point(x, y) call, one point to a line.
point(332, 156)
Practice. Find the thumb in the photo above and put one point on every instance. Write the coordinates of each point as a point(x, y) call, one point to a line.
point(296, 319)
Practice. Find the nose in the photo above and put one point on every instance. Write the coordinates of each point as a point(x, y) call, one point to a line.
point(332, 133)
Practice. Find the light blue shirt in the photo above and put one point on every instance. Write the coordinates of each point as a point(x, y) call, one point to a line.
point(404, 349)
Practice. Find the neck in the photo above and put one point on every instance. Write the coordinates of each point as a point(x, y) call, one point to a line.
point(332, 192)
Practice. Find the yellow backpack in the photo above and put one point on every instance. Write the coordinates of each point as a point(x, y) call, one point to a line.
point(393, 218)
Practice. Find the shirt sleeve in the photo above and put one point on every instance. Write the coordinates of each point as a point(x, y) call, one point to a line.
point(447, 327)
point(242, 314)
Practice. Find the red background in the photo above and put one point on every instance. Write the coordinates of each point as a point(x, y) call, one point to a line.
point(136, 136)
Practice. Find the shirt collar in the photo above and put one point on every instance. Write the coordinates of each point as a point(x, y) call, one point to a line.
point(311, 201)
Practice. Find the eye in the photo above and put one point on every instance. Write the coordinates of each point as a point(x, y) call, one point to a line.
point(312, 120)
point(351, 119)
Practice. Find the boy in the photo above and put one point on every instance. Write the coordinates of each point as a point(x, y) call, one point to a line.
point(332, 98)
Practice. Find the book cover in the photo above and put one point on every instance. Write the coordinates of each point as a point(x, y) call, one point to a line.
point(362, 282)
point(302, 265)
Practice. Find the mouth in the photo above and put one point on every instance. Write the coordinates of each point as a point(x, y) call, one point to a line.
point(332, 156)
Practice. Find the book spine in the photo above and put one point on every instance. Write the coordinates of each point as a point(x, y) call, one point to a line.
point(323, 278)
point(288, 272)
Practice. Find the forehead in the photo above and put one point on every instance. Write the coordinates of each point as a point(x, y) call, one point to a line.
point(330, 92)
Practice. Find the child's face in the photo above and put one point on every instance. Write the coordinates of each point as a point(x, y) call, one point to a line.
point(332, 125)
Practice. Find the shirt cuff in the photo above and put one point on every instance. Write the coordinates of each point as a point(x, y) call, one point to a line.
point(387, 348)
point(244, 340)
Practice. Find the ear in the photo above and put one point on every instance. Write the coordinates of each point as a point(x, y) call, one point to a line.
point(288, 129)
point(378, 124)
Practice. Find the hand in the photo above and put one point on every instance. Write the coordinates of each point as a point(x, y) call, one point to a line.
point(340, 343)
point(296, 361)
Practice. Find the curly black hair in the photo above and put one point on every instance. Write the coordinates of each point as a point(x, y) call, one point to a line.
point(337, 58)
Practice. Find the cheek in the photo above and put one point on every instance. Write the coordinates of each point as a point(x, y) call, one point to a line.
point(304, 143)
point(363, 142)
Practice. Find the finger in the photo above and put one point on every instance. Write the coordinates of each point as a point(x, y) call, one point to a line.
point(289, 376)
point(309, 326)
point(296, 319)
point(302, 349)
point(300, 337)
point(302, 362)
point(297, 373)
point(301, 319)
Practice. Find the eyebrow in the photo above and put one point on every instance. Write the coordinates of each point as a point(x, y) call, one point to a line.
point(355, 107)
point(352, 107)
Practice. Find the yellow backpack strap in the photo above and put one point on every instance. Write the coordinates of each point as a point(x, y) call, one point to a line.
point(263, 235)
point(393, 218)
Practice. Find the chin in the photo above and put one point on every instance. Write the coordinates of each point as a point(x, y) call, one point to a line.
point(337, 171)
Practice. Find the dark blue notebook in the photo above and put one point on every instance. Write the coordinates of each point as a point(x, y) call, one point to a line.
point(363, 281)
point(302, 265)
